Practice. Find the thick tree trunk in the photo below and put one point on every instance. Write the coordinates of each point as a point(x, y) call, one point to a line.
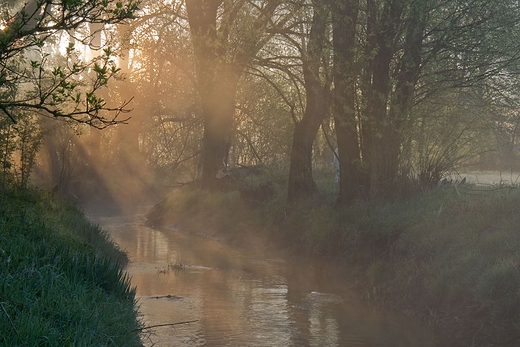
point(380, 126)
point(377, 113)
point(301, 183)
point(344, 18)
point(218, 104)
point(217, 97)
point(221, 57)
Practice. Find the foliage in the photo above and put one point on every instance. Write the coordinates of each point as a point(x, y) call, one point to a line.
point(61, 278)
point(167, 117)
point(472, 92)
point(8, 147)
point(450, 133)
point(44, 72)
point(34, 78)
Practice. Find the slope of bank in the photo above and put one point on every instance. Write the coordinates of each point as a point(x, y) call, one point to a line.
point(449, 256)
point(61, 278)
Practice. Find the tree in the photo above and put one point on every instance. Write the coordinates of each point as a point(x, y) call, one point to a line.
point(226, 35)
point(301, 183)
point(392, 55)
point(32, 80)
point(344, 24)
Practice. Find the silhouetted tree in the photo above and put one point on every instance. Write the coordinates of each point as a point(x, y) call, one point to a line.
point(301, 182)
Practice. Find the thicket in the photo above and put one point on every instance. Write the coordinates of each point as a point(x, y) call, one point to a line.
point(61, 277)
point(449, 255)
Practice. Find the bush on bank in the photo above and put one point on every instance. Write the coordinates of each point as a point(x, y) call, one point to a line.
point(61, 280)
point(451, 256)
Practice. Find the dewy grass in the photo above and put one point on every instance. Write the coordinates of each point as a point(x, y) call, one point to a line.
point(61, 282)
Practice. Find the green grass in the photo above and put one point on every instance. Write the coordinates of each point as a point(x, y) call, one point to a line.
point(449, 256)
point(61, 281)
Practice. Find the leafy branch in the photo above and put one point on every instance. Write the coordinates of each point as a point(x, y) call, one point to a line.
point(34, 77)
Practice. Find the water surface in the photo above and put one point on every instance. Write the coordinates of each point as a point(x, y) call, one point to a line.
point(238, 298)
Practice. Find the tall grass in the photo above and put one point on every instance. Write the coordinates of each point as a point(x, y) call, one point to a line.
point(451, 256)
point(61, 282)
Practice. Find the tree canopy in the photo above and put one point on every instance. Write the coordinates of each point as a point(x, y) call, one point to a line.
point(406, 90)
point(33, 78)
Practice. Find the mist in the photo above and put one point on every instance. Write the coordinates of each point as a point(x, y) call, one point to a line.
point(374, 143)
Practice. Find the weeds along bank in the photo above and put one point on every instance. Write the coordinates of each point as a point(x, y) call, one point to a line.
point(60, 279)
point(451, 257)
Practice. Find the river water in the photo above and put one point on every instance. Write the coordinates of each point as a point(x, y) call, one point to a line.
point(238, 298)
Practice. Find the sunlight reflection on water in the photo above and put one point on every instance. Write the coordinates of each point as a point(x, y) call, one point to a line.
point(242, 299)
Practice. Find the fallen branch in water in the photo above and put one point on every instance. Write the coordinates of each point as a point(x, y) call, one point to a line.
point(165, 325)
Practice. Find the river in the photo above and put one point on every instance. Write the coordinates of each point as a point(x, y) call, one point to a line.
point(231, 297)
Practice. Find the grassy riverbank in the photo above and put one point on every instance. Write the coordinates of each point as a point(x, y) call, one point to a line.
point(450, 256)
point(61, 281)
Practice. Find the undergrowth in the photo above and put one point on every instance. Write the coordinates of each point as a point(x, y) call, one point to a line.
point(61, 280)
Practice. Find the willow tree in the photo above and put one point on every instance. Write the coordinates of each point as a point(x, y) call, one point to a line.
point(392, 54)
point(344, 26)
point(226, 35)
point(396, 41)
point(301, 183)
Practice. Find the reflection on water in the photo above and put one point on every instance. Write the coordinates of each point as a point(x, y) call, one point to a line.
point(244, 299)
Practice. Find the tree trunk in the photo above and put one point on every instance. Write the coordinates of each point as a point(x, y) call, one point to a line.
point(402, 100)
point(365, 85)
point(344, 18)
point(221, 57)
point(377, 114)
point(301, 183)
point(378, 121)
point(218, 104)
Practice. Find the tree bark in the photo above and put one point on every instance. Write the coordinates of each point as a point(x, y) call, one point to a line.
point(407, 76)
point(344, 19)
point(219, 70)
point(301, 182)
point(377, 108)
point(217, 84)
point(218, 104)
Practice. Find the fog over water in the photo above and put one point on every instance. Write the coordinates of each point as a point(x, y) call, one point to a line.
point(239, 298)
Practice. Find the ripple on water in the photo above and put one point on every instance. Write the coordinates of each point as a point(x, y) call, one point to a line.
point(239, 301)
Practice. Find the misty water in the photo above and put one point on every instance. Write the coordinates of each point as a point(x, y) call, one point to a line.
point(236, 298)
